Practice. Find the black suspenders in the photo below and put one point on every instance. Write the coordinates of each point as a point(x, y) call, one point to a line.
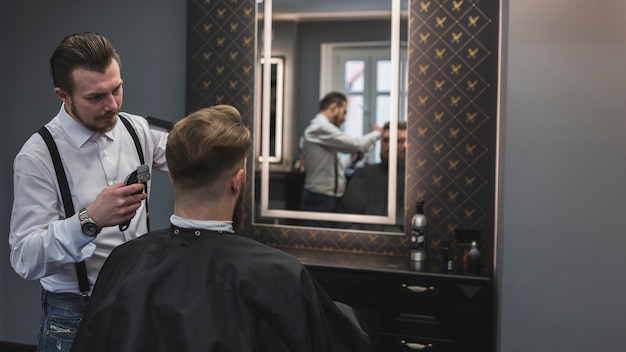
point(133, 134)
point(81, 270)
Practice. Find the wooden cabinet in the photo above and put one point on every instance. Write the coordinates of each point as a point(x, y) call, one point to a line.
point(407, 308)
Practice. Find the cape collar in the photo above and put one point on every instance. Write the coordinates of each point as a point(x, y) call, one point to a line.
point(176, 230)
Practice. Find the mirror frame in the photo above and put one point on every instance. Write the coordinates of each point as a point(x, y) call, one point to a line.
point(393, 131)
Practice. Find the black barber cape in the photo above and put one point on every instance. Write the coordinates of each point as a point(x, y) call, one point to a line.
point(186, 290)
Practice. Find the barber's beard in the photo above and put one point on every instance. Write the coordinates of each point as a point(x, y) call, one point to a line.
point(238, 211)
point(109, 126)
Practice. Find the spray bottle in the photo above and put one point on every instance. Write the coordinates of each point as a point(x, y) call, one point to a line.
point(418, 233)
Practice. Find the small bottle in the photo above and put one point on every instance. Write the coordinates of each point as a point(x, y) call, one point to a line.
point(446, 257)
point(418, 233)
point(473, 259)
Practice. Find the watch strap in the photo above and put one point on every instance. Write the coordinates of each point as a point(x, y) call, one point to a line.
point(85, 220)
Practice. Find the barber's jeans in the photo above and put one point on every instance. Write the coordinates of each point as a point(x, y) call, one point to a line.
point(61, 315)
point(312, 201)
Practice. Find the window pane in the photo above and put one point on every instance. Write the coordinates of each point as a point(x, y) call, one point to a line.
point(382, 109)
point(354, 118)
point(383, 76)
point(353, 78)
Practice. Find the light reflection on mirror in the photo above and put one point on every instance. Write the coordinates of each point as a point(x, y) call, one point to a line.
point(276, 184)
point(275, 104)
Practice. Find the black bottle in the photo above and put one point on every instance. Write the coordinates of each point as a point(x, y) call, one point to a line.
point(418, 233)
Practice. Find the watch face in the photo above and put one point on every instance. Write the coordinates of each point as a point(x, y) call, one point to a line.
point(90, 229)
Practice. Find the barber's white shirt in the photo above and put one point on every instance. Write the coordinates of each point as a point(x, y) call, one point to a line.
point(44, 244)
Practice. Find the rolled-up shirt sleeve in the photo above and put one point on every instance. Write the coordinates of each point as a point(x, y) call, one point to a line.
point(332, 137)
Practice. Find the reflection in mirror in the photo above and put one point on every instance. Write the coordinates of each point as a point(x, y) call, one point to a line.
point(275, 108)
point(352, 60)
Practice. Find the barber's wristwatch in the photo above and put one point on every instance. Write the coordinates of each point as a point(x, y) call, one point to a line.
point(88, 226)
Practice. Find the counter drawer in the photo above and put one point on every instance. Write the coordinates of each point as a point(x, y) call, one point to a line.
point(414, 296)
point(417, 325)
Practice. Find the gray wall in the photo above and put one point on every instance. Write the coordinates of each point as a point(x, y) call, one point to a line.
point(150, 37)
point(561, 243)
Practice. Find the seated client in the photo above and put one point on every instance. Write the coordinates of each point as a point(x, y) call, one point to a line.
point(201, 285)
point(369, 186)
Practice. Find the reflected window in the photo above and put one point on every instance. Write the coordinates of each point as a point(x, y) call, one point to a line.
point(362, 73)
point(354, 75)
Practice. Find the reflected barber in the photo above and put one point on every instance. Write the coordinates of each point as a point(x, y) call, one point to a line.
point(323, 140)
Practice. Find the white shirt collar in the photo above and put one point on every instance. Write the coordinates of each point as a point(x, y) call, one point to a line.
point(211, 225)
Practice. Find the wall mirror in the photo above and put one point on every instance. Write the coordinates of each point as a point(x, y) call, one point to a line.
point(357, 47)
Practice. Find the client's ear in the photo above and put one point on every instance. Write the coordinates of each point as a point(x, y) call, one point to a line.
point(237, 181)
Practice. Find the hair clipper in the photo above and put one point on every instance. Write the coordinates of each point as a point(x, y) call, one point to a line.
point(141, 175)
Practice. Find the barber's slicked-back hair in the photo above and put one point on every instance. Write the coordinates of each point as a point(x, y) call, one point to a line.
point(206, 145)
point(86, 50)
point(332, 97)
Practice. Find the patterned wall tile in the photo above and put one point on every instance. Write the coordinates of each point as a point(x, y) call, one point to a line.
point(220, 54)
point(453, 106)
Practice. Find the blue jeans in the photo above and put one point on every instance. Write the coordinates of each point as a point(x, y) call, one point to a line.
point(60, 317)
point(312, 201)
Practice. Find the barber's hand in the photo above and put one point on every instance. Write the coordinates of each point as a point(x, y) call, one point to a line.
point(375, 127)
point(116, 204)
point(356, 157)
